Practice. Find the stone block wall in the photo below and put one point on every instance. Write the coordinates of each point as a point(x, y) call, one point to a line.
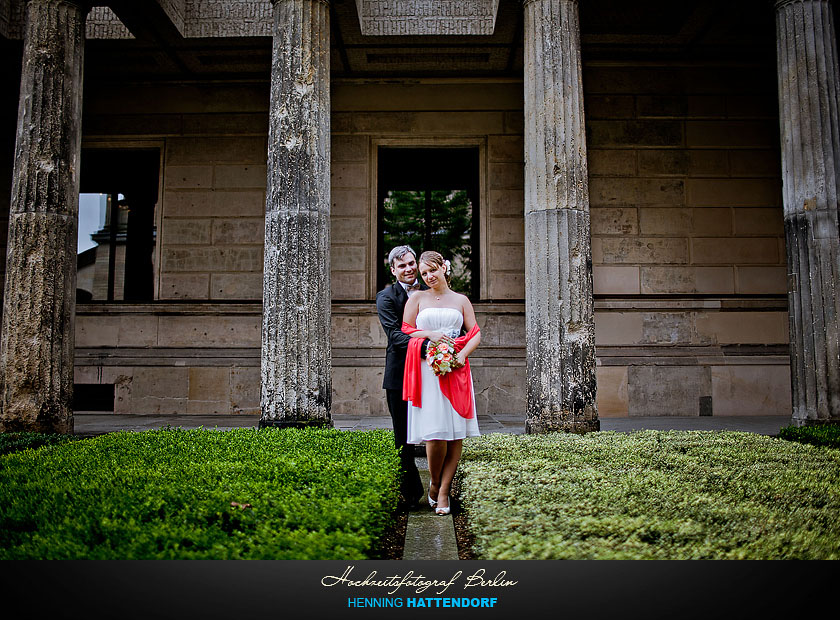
point(485, 114)
point(203, 358)
point(350, 218)
point(687, 228)
point(687, 242)
point(184, 359)
point(685, 185)
point(213, 230)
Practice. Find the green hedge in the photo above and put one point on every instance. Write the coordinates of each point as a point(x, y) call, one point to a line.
point(650, 495)
point(15, 442)
point(823, 435)
point(200, 494)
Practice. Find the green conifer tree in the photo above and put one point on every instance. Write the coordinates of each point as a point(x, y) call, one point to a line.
point(439, 220)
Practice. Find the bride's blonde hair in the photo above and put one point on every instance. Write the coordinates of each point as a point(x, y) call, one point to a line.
point(435, 259)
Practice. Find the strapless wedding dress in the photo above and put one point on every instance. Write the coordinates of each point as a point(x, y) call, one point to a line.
point(437, 419)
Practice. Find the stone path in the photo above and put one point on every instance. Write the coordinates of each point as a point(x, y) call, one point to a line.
point(429, 536)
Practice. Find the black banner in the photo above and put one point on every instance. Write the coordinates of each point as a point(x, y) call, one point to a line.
point(339, 589)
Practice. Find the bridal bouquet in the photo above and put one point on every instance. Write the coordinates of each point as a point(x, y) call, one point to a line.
point(441, 357)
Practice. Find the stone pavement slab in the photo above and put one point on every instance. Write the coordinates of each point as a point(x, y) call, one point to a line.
point(99, 423)
point(429, 536)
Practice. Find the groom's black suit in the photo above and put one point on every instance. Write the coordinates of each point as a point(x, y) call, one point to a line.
point(390, 303)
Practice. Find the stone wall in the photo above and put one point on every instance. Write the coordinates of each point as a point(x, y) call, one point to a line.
point(687, 243)
point(482, 114)
point(686, 213)
point(685, 181)
point(214, 212)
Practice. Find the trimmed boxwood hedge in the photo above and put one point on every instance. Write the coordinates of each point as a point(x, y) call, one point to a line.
point(17, 441)
point(822, 435)
point(200, 494)
point(650, 495)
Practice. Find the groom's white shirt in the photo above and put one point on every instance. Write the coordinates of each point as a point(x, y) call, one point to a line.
point(405, 287)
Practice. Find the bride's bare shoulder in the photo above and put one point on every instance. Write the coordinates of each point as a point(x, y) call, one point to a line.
point(462, 299)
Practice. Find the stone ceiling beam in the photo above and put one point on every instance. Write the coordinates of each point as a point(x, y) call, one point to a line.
point(149, 19)
point(427, 17)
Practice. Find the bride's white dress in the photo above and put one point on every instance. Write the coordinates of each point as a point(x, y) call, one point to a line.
point(437, 419)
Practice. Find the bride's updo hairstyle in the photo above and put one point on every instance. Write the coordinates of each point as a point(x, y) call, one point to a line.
point(434, 259)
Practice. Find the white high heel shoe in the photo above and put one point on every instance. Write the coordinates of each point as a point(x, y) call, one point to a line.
point(432, 502)
point(442, 511)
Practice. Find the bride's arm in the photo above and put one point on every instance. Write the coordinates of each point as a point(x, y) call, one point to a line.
point(469, 323)
point(410, 316)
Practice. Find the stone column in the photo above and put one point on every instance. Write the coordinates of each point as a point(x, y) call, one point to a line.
point(36, 349)
point(809, 95)
point(559, 316)
point(296, 356)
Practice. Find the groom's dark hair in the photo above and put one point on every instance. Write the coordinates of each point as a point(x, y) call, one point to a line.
point(399, 252)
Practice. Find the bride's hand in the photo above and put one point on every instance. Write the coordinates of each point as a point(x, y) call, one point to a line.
point(436, 337)
point(462, 359)
point(448, 340)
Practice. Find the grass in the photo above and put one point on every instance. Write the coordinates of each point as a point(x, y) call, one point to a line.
point(650, 495)
point(200, 494)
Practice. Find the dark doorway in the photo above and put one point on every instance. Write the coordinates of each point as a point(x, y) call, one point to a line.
point(428, 198)
point(117, 235)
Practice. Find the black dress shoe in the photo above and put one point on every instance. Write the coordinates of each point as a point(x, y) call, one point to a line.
point(412, 501)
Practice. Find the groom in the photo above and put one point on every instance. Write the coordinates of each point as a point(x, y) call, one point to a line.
point(390, 303)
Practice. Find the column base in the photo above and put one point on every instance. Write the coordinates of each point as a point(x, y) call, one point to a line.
point(284, 423)
point(11, 424)
point(800, 422)
point(580, 427)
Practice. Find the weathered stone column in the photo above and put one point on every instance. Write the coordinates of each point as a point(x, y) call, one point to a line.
point(296, 356)
point(559, 316)
point(809, 95)
point(36, 351)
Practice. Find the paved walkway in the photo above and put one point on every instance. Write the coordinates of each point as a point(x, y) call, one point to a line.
point(99, 423)
point(429, 536)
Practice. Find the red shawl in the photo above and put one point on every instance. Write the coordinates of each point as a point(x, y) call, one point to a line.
point(455, 385)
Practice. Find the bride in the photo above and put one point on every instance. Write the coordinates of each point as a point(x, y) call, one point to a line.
point(441, 410)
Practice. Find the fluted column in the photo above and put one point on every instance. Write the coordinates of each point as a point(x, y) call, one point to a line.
point(36, 349)
point(809, 95)
point(560, 326)
point(296, 356)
